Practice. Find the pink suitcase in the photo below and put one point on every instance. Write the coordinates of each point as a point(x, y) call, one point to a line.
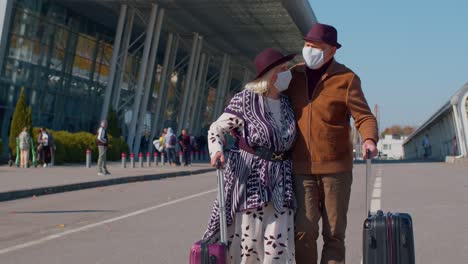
point(204, 253)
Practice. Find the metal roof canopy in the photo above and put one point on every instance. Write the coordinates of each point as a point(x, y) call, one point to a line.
point(242, 28)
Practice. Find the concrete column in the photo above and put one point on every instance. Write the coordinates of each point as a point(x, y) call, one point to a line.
point(219, 87)
point(123, 61)
point(150, 78)
point(6, 7)
point(141, 78)
point(193, 87)
point(201, 80)
point(162, 85)
point(113, 66)
point(164, 100)
point(200, 110)
point(188, 82)
point(224, 87)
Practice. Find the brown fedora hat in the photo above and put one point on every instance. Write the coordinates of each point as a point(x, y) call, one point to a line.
point(323, 33)
point(269, 59)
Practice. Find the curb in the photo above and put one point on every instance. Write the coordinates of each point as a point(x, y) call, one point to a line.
point(19, 194)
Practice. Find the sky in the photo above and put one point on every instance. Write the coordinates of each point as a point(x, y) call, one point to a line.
point(411, 56)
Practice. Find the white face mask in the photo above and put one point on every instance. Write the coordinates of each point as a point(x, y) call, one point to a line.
point(313, 57)
point(282, 80)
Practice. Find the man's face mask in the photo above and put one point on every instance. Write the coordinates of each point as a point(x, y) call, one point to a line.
point(313, 57)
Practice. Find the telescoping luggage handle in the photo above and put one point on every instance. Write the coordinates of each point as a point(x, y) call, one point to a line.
point(222, 203)
point(368, 175)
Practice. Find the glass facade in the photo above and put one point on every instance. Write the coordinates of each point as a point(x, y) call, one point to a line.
point(62, 59)
point(63, 62)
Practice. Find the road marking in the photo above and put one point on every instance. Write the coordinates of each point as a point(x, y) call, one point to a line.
point(376, 193)
point(376, 203)
point(76, 230)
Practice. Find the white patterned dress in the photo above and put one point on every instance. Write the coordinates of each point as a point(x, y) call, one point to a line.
point(260, 201)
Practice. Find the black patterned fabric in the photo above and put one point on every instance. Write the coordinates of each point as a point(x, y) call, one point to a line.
point(252, 182)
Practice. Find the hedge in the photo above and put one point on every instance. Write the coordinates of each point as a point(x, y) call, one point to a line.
point(71, 147)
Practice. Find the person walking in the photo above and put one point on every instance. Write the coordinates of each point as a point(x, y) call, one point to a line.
point(24, 145)
point(102, 142)
point(185, 142)
point(260, 200)
point(44, 143)
point(170, 142)
point(325, 95)
point(426, 146)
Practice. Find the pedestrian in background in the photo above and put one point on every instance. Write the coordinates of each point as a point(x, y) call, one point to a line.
point(426, 146)
point(44, 143)
point(185, 142)
point(170, 142)
point(102, 143)
point(24, 145)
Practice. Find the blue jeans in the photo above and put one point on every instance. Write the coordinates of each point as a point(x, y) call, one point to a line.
point(171, 155)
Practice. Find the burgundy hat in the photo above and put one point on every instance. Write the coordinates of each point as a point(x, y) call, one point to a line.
point(268, 59)
point(323, 33)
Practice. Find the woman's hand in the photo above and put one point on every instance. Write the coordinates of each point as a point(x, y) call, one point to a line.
point(218, 156)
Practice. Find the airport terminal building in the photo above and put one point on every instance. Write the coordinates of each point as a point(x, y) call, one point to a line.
point(157, 63)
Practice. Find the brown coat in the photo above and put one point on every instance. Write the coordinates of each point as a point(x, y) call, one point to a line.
point(324, 144)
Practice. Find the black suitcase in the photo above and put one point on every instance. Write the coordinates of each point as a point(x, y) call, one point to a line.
point(387, 237)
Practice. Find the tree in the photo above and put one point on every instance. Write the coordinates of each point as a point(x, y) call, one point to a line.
point(22, 117)
point(113, 124)
point(398, 130)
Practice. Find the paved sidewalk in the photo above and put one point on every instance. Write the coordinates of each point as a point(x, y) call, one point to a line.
point(17, 183)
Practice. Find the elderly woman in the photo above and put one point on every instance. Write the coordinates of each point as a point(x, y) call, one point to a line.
point(24, 145)
point(260, 201)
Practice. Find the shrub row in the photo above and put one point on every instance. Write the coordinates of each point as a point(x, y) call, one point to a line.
point(71, 147)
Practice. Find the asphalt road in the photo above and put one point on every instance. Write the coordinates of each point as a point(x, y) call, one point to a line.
point(156, 222)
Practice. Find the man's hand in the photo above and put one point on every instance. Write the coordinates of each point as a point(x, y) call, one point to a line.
point(218, 156)
point(369, 145)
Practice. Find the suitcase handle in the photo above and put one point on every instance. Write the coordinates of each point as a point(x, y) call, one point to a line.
point(222, 203)
point(368, 175)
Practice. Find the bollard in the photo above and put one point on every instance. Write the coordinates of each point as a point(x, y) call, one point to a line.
point(124, 160)
point(192, 155)
point(88, 158)
point(155, 159)
point(148, 159)
point(181, 157)
point(140, 159)
point(163, 158)
point(197, 154)
point(132, 160)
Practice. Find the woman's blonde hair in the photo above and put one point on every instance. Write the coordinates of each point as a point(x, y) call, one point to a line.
point(260, 85)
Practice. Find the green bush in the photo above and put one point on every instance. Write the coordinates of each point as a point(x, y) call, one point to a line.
point(22, 117)
point(71, 147)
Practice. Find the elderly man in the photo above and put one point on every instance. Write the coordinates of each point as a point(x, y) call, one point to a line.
point(102, 143)
point(324, 95)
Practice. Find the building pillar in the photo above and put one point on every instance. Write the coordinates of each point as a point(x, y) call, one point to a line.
point(165, 76)
point(188, 81)
point(141, 78)
point(201, 81)
point(113, 64)
point(164, 98)
point(219, 87)
point(149, 82)
point(223, 84)
point(6, 10)
point(123, 61)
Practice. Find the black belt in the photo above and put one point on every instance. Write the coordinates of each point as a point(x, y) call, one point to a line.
point(263, 153)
